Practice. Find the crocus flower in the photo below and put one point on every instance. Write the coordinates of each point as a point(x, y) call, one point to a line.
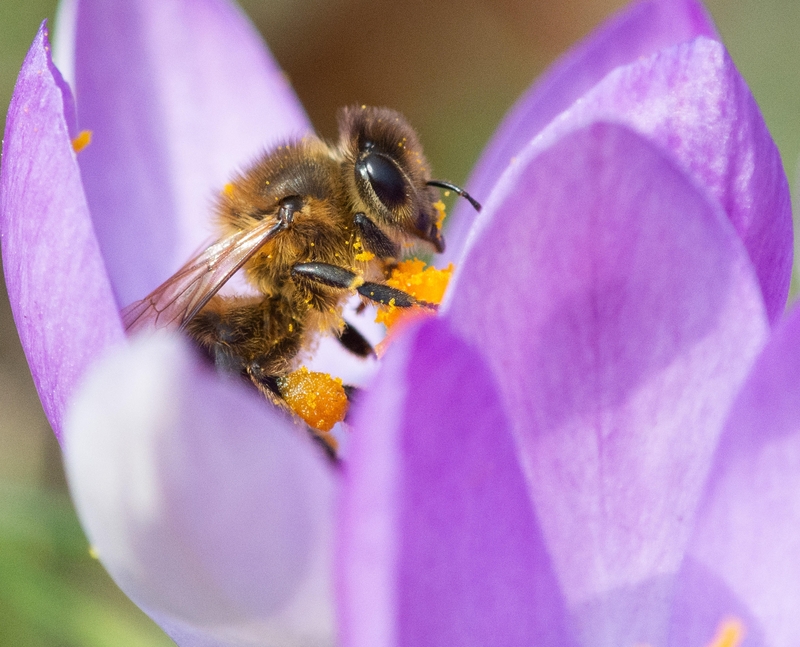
point(596, 443)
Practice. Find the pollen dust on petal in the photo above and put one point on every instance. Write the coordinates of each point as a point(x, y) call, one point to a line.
point(81, 140)
point(423, 283)
point(319, 399)
point(730, 633)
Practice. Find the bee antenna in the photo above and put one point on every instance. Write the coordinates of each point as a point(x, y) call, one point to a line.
point(457, 189)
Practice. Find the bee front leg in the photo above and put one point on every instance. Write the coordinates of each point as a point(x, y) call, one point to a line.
point(338, 277)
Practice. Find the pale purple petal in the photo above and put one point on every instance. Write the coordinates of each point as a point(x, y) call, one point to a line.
point(210, 510)
point(745, 553)
point(179, 94)
point(691, 101)
point(439, 542)
point(619, 313)
point(640, 30)
point(57, 284)
point(64, 39)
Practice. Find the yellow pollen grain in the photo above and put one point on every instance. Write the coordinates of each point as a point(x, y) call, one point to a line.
point(317, 398)
point(439, 206)
point(365, 256)
point(423, 283)
point(228, 189)
point(82, 140)
point(93, 553)
point(730, 633)
point(357, 282)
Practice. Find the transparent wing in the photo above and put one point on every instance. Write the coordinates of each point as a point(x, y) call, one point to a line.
point(175, 302)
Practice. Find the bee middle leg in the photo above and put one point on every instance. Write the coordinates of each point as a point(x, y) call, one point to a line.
point(355, 342)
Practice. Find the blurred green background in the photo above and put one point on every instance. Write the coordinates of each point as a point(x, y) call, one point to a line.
point(454, 68)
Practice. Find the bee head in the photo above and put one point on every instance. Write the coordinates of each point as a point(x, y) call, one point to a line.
point(387, 173)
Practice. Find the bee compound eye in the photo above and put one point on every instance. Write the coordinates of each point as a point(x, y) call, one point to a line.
point(385, 179)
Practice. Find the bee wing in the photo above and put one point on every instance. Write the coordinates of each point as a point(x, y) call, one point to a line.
point(175, 302)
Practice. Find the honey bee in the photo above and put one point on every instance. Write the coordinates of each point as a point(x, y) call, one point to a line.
point(310, 223)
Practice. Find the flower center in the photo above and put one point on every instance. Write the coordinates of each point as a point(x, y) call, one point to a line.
point(423, 283)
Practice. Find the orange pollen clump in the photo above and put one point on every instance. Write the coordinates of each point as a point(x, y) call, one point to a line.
point(317, 398)
point(82, 140)
point(228, 189)
point(729, 634)
point(423, 283)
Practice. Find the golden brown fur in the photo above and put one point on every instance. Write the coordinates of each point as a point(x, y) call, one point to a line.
point(263, 336)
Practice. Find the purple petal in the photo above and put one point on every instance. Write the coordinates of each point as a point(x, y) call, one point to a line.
point(179, 94)
point(439, 543)
point(746, 543)
point(640, 30)
point(690, 100)
point(619, 313)
point(209, 509)
point(57, 284)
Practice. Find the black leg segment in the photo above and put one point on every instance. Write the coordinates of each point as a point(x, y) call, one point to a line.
point(373, 239)
point(385, 295)
point(355, 342)
point(326, 274)
point(338, 277)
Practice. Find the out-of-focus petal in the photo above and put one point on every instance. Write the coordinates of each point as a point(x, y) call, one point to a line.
point(691, 101)
point(64, 39)
point(744, 553)
point(639, 30)
point(209, 509)
point(178, 94)
point(619, 313)
point(57, 284)
point(439, 542)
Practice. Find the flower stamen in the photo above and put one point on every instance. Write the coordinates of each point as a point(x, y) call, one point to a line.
point(423, 283)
